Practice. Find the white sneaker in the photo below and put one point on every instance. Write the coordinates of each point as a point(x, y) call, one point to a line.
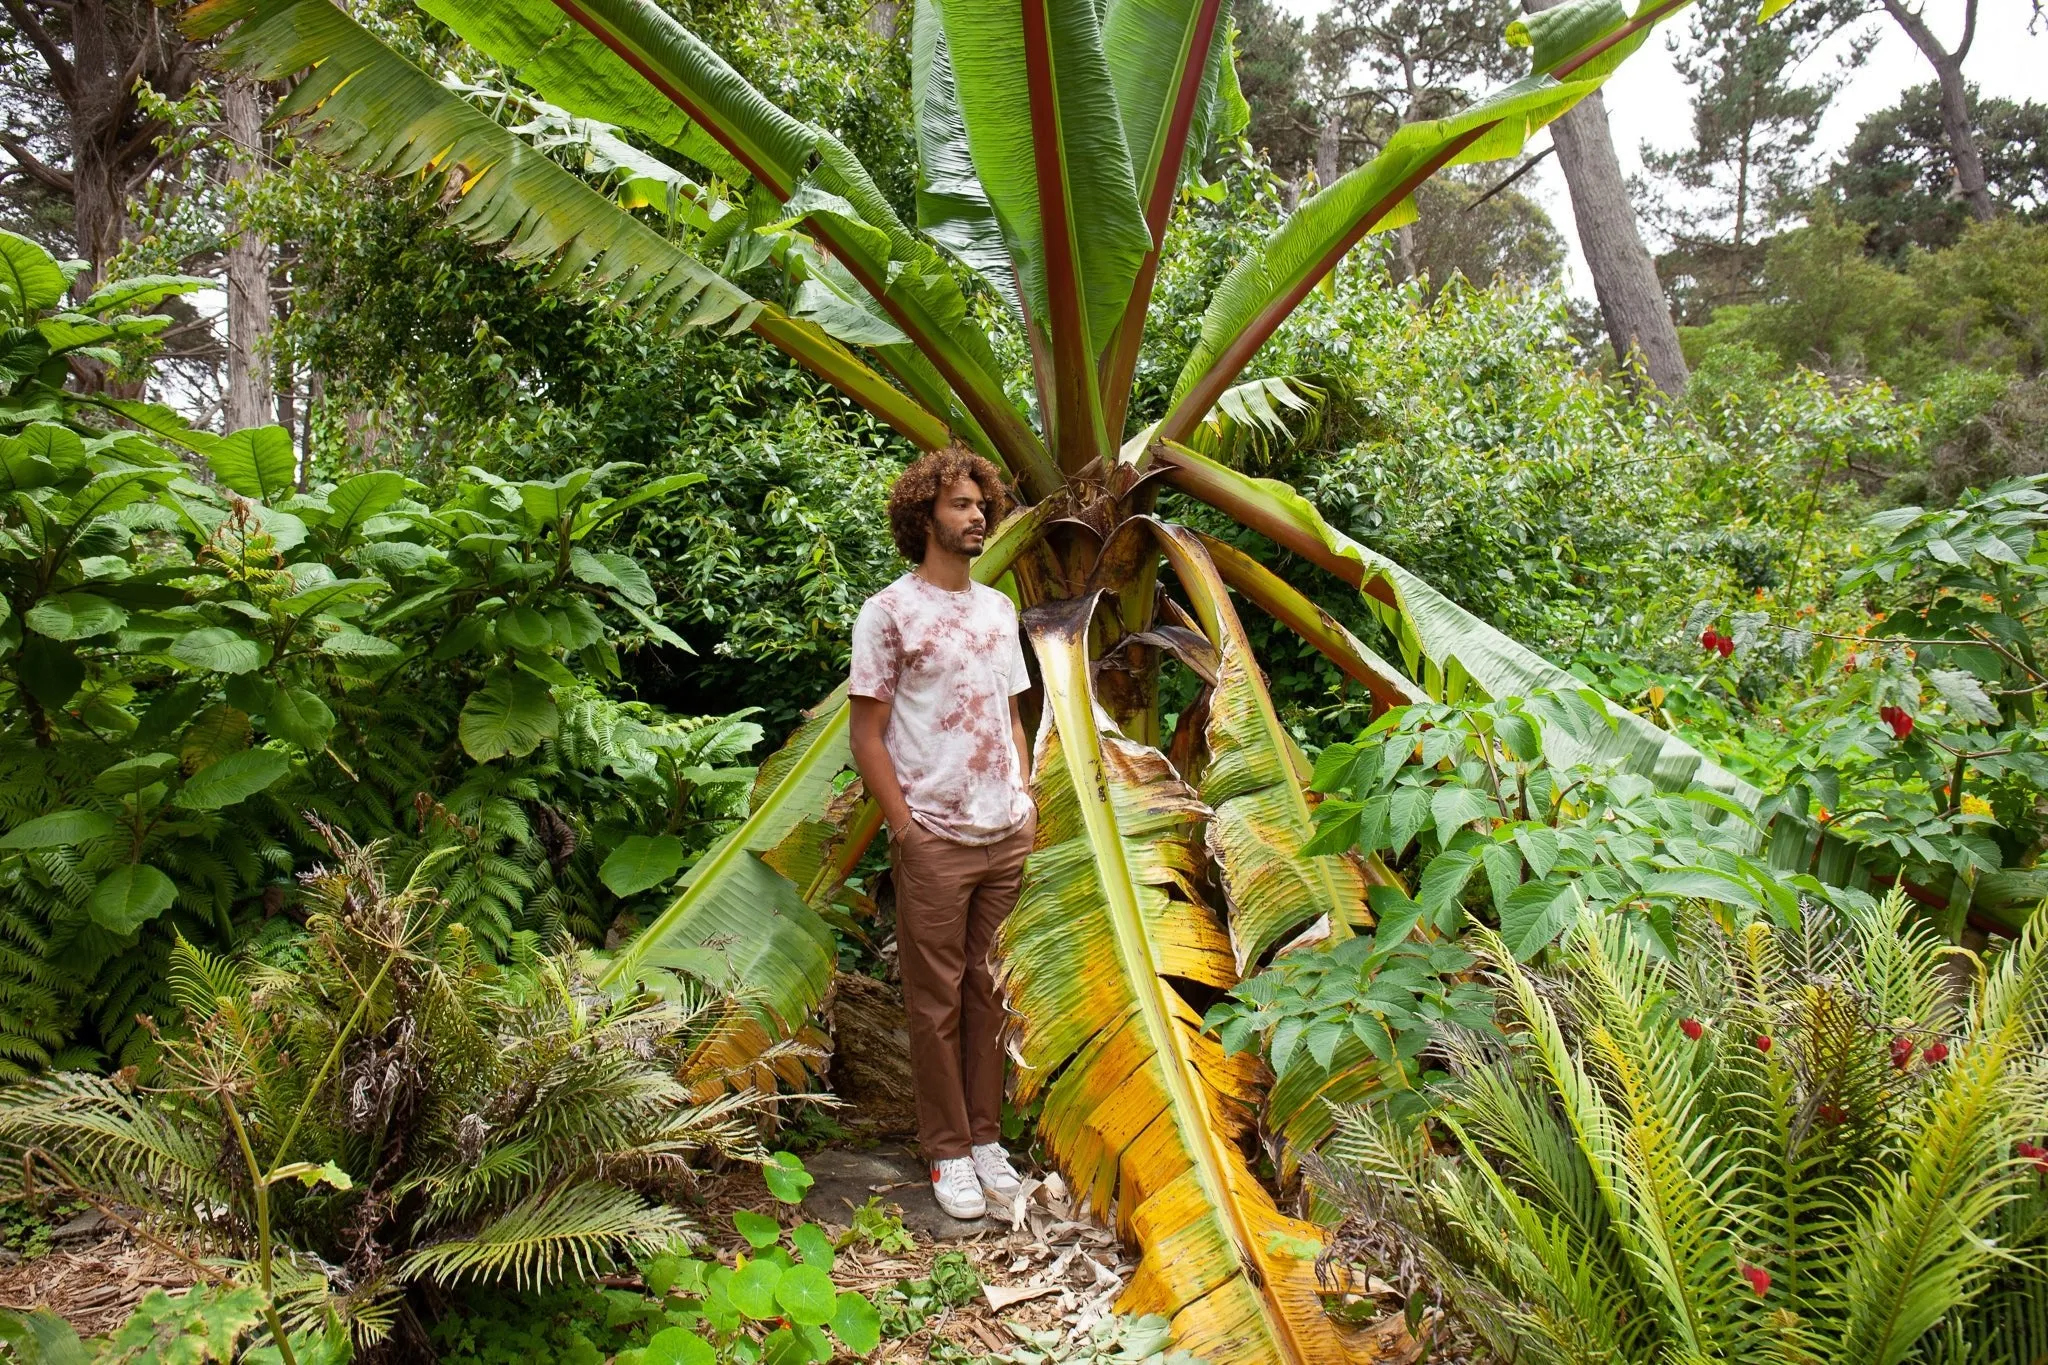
point(993, 1169)
point(955, 1187)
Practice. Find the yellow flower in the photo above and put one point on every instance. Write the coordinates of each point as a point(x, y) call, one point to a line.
point(1975, 805)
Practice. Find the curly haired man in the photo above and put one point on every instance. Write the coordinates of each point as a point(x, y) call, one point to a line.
point(937, 666)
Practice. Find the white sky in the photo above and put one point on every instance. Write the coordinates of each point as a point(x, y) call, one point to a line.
point(1647, 101)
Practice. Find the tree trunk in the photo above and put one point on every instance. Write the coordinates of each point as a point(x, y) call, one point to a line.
point(1957, 126)
point(1326, 148)
point(99, 213)
point(249, 402)
point(1632, 302)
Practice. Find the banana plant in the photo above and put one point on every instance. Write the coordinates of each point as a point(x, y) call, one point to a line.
point(1054, 138)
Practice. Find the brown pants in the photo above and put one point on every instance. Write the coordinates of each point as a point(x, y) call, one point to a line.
point(950, 898)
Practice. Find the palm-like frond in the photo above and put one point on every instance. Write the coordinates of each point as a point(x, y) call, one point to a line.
point(579, 1232)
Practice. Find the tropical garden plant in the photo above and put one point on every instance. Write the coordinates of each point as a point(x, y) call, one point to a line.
point(1053, 143)
point(1814, 1141)
point(386, 1110)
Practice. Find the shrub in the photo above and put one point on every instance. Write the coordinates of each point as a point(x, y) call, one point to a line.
point(1792, 1143)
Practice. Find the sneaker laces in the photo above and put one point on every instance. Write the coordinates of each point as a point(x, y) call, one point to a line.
point(955, 1177)
point(992, 1165)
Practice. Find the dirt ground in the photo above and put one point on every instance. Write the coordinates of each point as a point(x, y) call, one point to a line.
point(1051, 1268)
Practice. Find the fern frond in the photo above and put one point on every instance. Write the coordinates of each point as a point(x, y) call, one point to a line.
point(580, 1230)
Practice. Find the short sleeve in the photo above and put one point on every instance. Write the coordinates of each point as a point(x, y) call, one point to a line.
point(877, 653)
point(1020, 673)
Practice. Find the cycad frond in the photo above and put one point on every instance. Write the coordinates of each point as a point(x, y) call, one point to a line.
point(581, 1231)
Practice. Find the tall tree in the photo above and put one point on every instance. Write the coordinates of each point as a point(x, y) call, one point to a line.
point(248, 401)
point(1272, 70)
point(1958, 126)
point(1896, 174)
point(1632, 303)
point(1756, 108)
point(98, 136)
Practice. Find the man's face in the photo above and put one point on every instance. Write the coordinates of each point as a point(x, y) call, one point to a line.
point(960, 518)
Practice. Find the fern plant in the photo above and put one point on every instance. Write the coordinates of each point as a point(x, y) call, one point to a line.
point(379, 1108)
point(1782, 1144)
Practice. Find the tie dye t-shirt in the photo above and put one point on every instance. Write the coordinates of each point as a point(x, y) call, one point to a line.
point(948, 664)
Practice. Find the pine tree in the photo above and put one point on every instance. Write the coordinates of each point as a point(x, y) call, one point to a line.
point(1757, 105)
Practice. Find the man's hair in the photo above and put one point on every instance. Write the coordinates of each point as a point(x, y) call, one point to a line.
point(916, 494)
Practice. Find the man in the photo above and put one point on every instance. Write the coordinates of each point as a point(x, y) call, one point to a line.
point(937, 666)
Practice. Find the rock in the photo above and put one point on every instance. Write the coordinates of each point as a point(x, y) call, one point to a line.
point(870, 1067)
point(845, 1180)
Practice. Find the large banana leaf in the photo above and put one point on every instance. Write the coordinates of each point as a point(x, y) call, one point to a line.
point(1445, 648)
point(952, 207)
point(374, 110)
point(1256, 781)
point(622, 60)
point(1139, 1108)
point(1048, 147)
point(1166, 58)
point(1574, 46)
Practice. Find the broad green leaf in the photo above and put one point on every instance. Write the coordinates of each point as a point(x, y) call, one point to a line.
point(28, 275)
point(753, 1289)
point(642, 861)
point(805, 1293)
point(675, 1346)
point(378, 112)
point(257, 462)
point(1048, 147)
point(1535, 913)
point(652, 491)
point(759, 1229)
point(138, 292)
point(129, 897)
point(58, 829)
point(856, 1323)
point(357, 498)
point(132, 775)
point(952, 207)
point(523, 628)
point(218, 649)
point(50, 670)
point(508, 717)
point(612, 569)
point(232, 779)
point(298, 716)
point(74, 616)
point(786, 1178)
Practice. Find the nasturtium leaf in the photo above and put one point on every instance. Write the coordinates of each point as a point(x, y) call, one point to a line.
point(218, 650)
point(234, 778)
point(257, 462)
point(753, 1289)
point(856, 1323)
point(813, 1245)
point(524, 628)
point(74, 616)
point(806, 1295)
point(759, 1229)
point(130, 896)
point(510, 715)
point(298, 715)
point(786, 1177)
point(641, 861)
point(58, 829)
point(674, 1346)
point(132, 775)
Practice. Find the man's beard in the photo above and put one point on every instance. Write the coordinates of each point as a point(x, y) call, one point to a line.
point(957, 542)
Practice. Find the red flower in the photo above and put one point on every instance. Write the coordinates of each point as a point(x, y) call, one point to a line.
point(1896, 717)
point(1902, 1052)
point(1832, 1114)
point(1936, 1053)
point(1709, 638)
point(1691, 1028)
point(1763, 1044)
point(1759, 1279)
point(1725, 646)
point(2037, 1155)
